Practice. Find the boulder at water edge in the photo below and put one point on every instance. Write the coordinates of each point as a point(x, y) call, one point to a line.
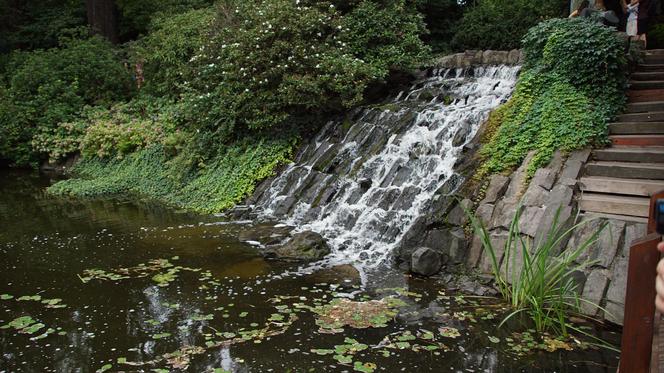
point(425, 261)
point(303, 246)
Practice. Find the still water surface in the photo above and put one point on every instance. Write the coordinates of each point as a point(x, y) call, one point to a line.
point(213, 304)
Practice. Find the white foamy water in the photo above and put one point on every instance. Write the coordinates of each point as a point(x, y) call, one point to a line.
point(363, 188)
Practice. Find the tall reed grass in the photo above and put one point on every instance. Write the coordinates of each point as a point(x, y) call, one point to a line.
point(536, 276)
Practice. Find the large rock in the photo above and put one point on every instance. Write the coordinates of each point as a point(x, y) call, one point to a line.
point(593, 292)
point(615, 296)
point(529, 222)
point(497, 187)
point(498, 240)
point(425, 261)
point(303, 246)
point(458, 215)
point(338, 274)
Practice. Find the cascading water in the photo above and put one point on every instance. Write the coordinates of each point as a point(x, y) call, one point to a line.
point(362, 182)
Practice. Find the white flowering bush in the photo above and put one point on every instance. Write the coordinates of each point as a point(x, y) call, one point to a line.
point(275, 64)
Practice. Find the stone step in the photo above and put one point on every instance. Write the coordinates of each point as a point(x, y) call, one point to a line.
point(630, 154)
point(625, 170)
point(644, 107)
point(648, 75)
point(645, 95)
point(655, 52)
point(637, 140)
point(636, 128)
point(653, 58)
point(615, 205)
point(650, 67)
point(646, 84)
point(651, 116)
point(597, 215)
point(613, 185)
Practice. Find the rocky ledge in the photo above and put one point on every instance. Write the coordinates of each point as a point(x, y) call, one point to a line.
point(479, 58)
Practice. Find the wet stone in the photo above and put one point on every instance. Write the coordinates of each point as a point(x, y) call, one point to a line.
point(462, 133)
point(425, 261)
point(303, 246)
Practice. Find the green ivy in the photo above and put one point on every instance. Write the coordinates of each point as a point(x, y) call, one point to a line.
point(571, 85)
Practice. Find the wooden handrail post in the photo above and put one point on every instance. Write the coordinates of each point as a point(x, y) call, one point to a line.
point(638, 322)
point(639, 305)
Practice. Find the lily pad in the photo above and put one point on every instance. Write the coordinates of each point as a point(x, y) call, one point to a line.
point(449, 332)
point(319, 351)
point(364, 367)
point(6, 297)
point(35, 298)
point(104, 368)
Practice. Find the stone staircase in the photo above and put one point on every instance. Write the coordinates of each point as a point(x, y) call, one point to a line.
point(617, 181)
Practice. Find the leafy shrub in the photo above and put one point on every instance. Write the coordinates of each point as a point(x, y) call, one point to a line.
point(47, 87)
point(165, 52)
point(64, 139)
point(149, 172)
point(572, 83)
point(126, 128)
point(500, 24)
point(278, 63)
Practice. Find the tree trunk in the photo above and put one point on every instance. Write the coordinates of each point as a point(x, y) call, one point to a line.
point(102, 17)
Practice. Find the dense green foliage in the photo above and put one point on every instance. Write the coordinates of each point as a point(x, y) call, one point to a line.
point(48, 87)
point(572, 83)
point(219, 83)
point(500, 24)
point(280, 64)
point(165, 52)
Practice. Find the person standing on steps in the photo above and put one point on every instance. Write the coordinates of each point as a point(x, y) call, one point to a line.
point(641, 10)
point(596, 10)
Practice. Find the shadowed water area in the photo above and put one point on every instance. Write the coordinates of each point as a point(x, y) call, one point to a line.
point(177, 292)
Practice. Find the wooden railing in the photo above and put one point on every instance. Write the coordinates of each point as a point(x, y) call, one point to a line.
point(640, 351)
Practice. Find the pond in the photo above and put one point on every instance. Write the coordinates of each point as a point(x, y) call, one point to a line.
point(129, 285)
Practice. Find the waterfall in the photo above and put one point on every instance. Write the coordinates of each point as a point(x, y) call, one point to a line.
point(362, 182)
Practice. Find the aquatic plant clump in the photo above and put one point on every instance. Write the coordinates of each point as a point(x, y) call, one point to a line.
point(360, 315)
point(533, 277)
